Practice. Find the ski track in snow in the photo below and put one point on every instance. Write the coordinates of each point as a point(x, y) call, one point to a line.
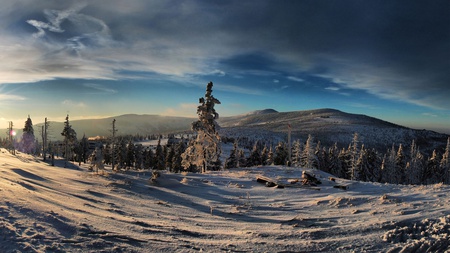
point(55, 209)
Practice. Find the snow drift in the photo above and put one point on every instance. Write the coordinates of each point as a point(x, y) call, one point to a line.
point(56, 209)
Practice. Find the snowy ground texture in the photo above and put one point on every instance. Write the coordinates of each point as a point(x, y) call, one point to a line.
point(56, 209)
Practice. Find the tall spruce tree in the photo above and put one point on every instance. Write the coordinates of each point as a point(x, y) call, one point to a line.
point(296, 153)
point(281, 154)
point(180, 147)
point(445, 163)
point(204, 153)
point(400, 166)
point(255, 156)
point(354, 156)
point(28, 142)
point(309, 158)
point(70, 137)
point(232, 160)
point(264, 155)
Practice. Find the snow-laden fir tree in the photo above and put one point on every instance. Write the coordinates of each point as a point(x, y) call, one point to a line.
point(296, 153)
point(281, 154)
point(354, 156)
point(388, 167)
point(70, 138)
point(400, 165)
point(160, 159)
point(335, 164)
point(28, 142)
point(82, 150)
point(242, 160)
point(204, 153)
point(139, 157)
point(445, 163)
point(255, 156)
point(309, 158)
point(130, 154)
point(270, 156)
point(232, 160)
point(96, 159)
point(433, 173)
point(180, 147)
point(264, 155)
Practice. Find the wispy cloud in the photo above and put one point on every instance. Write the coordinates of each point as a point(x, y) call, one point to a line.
point(99, 88)
point(71, 103)
point(295, 79)
point(9, 97)
point(428, 114)
point(333, 88)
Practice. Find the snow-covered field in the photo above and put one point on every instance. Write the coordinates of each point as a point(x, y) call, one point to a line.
point(56, 209)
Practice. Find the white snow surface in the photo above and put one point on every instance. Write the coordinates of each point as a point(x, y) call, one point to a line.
point(56, 209)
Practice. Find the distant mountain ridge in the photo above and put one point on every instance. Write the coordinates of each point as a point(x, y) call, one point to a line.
point(328, 126)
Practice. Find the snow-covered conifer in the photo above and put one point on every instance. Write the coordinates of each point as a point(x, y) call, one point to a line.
point(322, 158)
point(255, 156)
point(107, 154)
point(354, 156)
point(400, 164)
point(96, 159)
point(160, 161)
point(281, 154)
point(169, 156)
point(242, 161)
point(83, 149)
point(28, 142)
point(309, 158)
point(120, 153)
point(269, 160)
point(148, 159)
point(414, 169)
point(445, 163)
point(204, 153)
point(335, 165)
point(70, 137)
point(296, 153)
point(180, 147)
point(433, 173)
point(264, 155)
point(138, 157)
point(232, 160)
point(388, 166)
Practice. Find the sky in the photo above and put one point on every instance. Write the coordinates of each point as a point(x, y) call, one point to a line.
point(388, 59)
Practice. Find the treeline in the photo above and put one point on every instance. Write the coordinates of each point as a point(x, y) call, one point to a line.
point(397, 165)
point(356, 162)
point(128, 155)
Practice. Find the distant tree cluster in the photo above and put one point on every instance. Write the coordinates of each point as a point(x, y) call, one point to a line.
point(129, 155)
point(396, 166)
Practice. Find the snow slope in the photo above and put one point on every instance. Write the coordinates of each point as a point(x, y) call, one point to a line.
point(56, 209)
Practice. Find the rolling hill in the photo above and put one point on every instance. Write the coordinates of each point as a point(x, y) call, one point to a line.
point(329, 126)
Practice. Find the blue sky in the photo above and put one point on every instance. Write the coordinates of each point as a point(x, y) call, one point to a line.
point(386, 59)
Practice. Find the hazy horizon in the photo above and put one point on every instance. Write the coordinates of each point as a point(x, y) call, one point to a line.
point(88, 59)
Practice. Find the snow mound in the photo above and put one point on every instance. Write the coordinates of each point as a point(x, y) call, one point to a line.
point(428, 235)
